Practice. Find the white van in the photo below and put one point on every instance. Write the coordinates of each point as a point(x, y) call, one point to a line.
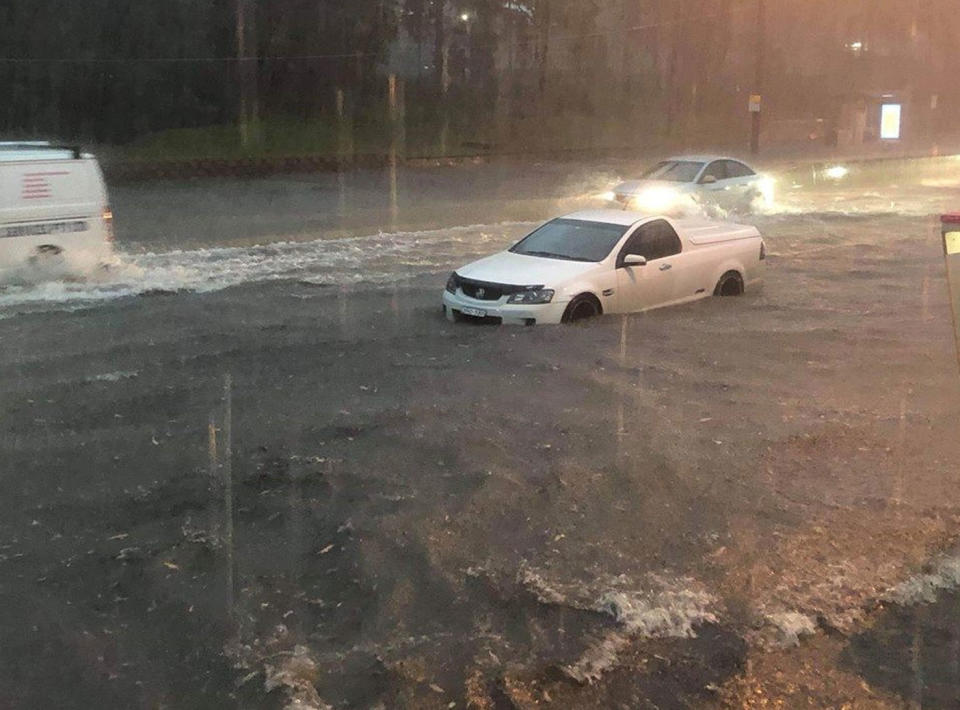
point(55, 219)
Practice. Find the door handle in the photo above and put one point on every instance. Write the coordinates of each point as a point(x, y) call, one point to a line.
point(666, 267)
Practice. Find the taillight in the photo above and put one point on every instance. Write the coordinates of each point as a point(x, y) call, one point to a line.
point(763, 250)
point(108, 223)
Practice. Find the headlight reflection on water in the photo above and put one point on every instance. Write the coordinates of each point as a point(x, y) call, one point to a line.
point(768, 190)
point(836, 172)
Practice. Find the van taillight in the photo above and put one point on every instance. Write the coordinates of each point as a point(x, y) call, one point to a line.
point(763, 250)
point(108, 223)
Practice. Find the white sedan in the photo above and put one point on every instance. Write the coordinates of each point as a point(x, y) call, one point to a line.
point(678, 183)
point(606, 261)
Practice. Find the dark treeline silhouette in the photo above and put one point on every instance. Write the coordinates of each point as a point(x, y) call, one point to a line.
point(451, 76)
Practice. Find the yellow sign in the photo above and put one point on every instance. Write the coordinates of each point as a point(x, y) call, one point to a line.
point(755, 100)
point(952, 242)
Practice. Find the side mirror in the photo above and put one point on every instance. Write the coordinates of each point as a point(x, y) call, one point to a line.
point(634, 260)
point(708, 180)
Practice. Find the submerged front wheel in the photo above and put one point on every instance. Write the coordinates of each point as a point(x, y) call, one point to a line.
point(582, 307)
point(730, 284)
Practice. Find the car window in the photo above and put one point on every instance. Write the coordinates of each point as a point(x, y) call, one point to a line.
point(572, 239)
point(674, 171)
point(736, 169)
point(717, 168)
point(654, 240)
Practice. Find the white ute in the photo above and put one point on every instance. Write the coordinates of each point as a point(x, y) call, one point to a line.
point(606, 261)
point(55, 219)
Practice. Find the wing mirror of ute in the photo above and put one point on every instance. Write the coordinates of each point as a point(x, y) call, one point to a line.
point(708, 180)
point(634, 260)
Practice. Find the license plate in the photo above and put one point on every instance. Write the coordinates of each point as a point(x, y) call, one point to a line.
point(475, 312)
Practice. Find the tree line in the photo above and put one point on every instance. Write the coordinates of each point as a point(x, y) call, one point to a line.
point(455, 74)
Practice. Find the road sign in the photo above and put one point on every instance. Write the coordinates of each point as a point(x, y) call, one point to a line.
point(755, 101)
point(950, 224)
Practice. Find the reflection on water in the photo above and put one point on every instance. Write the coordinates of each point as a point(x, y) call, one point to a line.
point(914, 651)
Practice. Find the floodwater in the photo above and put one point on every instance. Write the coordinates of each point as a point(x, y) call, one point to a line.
point(253, 464)
point(914, 651)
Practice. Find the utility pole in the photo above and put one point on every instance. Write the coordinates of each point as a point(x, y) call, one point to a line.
point(246, 71)
point(242, 69)
point(755, 106)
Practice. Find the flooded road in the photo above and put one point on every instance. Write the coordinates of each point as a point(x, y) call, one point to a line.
point(630, 511)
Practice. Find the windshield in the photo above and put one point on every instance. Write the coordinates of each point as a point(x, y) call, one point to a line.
point(674, 171)
point(572, 240)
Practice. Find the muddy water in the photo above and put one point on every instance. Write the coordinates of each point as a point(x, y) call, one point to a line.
point(426, 514)
point(913, 651)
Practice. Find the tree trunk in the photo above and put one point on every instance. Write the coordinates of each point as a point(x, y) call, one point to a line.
point(439, 46)
point(247, 71)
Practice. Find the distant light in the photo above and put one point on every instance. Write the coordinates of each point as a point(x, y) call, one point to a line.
point(856, 46)
point(837, 172)
point(608, 196)
point(890, 115)
point(465, 17)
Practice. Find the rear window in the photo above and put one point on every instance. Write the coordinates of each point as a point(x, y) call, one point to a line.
point(572, 240)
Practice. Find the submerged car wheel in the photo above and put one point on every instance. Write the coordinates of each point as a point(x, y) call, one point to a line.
point(582, 307)
point(451, 315)
point(730, 284)
point(47, 256)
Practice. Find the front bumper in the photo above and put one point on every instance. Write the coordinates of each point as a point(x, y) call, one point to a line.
point(508, 313)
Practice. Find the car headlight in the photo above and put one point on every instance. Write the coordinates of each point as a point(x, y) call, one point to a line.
point(656, 199)
point(453, 283)
point(537, 295)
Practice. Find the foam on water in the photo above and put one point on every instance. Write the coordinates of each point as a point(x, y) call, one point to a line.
point(117, 376)
point(656, 606)
point(924, 588)
point(790, 626)
point(377, 258)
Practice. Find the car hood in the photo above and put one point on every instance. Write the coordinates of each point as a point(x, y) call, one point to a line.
point(521, 270)
point(633, 187)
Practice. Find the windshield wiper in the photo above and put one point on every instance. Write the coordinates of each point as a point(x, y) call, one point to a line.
point(551, 255)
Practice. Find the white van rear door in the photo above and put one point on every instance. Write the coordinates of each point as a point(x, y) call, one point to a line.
point(50, 189)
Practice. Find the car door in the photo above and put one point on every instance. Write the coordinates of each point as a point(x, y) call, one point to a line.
point(715, 190)
point(740, 180)
point(655, 283)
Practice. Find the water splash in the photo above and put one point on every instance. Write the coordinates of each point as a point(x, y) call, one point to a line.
point(380, 258)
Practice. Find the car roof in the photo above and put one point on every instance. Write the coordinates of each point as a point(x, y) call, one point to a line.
point(13, 151)
point(625, 218)
point(703, 158)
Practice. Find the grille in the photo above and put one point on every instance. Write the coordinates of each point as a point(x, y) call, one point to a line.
point(481, 291)
point(486, 291)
